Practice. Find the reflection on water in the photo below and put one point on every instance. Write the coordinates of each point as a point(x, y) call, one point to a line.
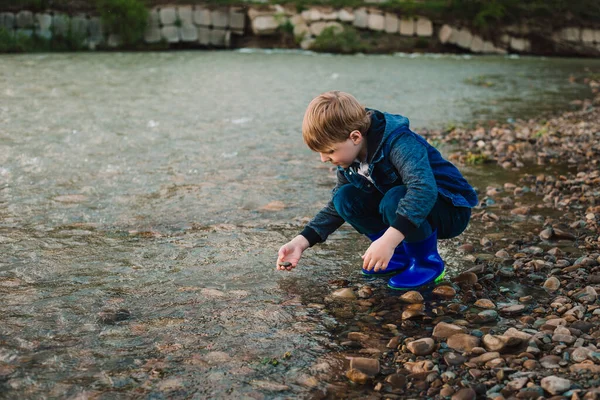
point(144, 196)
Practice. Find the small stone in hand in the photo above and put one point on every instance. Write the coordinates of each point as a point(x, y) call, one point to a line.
point(285, 264)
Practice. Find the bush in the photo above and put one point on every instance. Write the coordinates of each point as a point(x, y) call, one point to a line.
point(346, 42)
point(126, 18)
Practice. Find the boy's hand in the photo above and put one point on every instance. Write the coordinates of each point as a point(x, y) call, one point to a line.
point(380, 252)
point(289, 254)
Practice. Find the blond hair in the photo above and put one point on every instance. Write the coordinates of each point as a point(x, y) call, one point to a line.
point(329, 119)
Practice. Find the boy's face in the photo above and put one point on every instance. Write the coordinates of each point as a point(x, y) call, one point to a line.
point(344, 153)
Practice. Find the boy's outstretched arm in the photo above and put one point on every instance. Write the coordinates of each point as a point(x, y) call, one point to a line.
point(289, 254)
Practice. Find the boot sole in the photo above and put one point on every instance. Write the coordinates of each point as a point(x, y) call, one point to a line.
point(423, 286)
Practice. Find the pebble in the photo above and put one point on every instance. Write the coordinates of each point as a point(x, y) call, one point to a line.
point(444, 291)
point(357, 376)
point(513, 310)
point(465, 394)
point(444, 330)
point(467, 278)
point(421, 347)
point(398, 381)
point(412, 297)
point(368, 366)
point(485, 303)
point(344, 293)
point(462, 342)
point(555, 385)
point(552, 284)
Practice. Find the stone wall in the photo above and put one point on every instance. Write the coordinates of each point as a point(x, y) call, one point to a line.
point(203, 26)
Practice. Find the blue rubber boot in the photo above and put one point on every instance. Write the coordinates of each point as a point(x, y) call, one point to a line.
point(426, 265)
point(399, 261)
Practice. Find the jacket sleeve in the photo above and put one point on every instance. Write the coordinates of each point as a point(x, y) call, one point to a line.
point(410, 158)
point(327, 220)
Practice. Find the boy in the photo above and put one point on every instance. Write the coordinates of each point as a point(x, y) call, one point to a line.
point(392, 186)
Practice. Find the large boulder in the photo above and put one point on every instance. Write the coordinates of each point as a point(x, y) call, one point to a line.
point(424, 27)
point(376, 22)
point(264, 25)
point(407, 27)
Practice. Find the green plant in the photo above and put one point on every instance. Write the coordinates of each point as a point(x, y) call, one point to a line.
point(347, 41)
point(475, 159)
point(126, 18)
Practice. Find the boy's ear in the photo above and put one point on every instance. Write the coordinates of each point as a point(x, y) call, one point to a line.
point(356, 136)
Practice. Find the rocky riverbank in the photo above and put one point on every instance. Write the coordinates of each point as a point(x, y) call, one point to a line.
point(522, 320)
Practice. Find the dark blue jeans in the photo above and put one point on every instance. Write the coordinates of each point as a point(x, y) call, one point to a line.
point(371, 213)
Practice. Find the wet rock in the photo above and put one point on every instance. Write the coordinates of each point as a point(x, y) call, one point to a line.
point(418, 366)
point(444, 330)
point(111, 317)
point(465, 394)
point(485, 317)
point(268, 385)
point(502, 254)
point(521, 211)
point(550, 361)
point(365, 292)
point(393, 343)
point(512, 332)
point(344, 293)
point(466, 278)
point(546, 234)
point(485, 303)
point(500, 343)
point(368, 366)
point(517, 384)
point(421, 347)
point(447, 391)
point(285, 264)
point(398, 381)
point(513, 310)
point(581, 354)
point(412, 297)
point(586, 366)
point(485, 357)
point(552, 284)
point(463, 342)
point(358, 336)
point(587, 294)
point(555, 385)
point(454, 358)
point(357, 376)
point(444, 291)
point(467, 248)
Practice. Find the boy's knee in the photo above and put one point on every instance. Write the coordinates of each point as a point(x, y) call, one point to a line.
point(343, 201)
point(389, 203)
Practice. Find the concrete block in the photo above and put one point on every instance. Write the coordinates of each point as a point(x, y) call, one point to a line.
point(346, 15)
point(464, 38)
point(453, 39)
point(361, 18)
point(43, 21)
point(264, 25)
point(152, 34)
point(24, 19)
point(391, 23)
point(79, 26)
point(228, 39)
point(202, 17)
point(519, 44)
point(477, 44)
point(317, 27)
point(204, 35)
point(114, 40)
point(44, 33)
point(445, 33)
point(587, 36)
point(168, 15)
point(237, 20)
point(97, 30)
point(219, 18)
point(24, 32)
point(407, 27)
point(597, 36)
point(7, 21)
point(424, 27)
point(60, 24)
point(154, 17)
point(188, 33)
point(185, 15)
point(217, 37)
point(376, 22)
point(170, 33)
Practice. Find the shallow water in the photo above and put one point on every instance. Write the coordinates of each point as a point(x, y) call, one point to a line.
point(144, 197)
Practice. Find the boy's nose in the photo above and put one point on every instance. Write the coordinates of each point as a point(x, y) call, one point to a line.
point(324, 157)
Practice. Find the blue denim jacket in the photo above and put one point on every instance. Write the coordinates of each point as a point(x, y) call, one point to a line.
point(398, 156)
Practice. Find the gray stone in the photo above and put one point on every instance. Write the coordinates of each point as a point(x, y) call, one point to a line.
point(407, 27)
point(264, 25)
point(571, 34)
point(168, 15)
point(237, 20)
point(345, 15)
point(7, 21)
point(444, 34)
point(204, 35)
point(170, 33)
point(587, 294)
point(444, 330)
point(152, 34)
point(60, 24)
point(550, 361)
point(454, 35)
point(376, 22)
point(464, 38)
point(581, 354)
point(24, 19)
point(463, 342)
point(477, 44)
point(79, 26)
point(391, 23)
point(488, 47)
point(97, 30)
point(424, 27)
point(154, 17)
point(185, 15)
point(220, 38)
point(555, 385)
point(516, 309)
point(188, 33)
point(361, 18)
point(43, 21)
point(202, 17)
point(219, 18)
point(421, 347)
